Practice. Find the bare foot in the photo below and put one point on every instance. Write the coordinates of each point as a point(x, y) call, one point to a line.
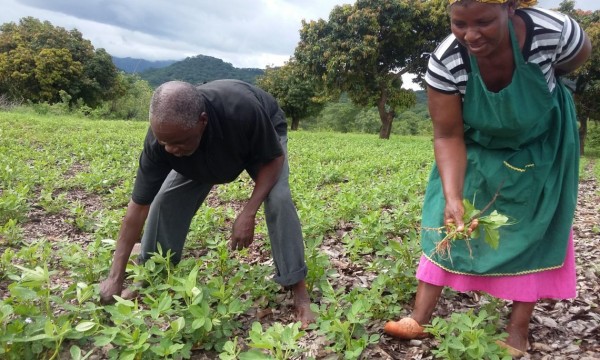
point(302, 304)
point(517, 337)
point(518, 326)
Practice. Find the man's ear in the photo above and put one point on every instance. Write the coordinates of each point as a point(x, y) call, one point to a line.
point(203, 119)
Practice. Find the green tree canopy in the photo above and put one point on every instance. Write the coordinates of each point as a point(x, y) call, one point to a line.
point(587, 77)
point(38, 60)
point(365, 48)
point(296, 94)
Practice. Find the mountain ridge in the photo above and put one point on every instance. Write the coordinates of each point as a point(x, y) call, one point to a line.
point(195, 70)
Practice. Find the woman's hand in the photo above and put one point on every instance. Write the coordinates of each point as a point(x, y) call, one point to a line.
point(453, 217)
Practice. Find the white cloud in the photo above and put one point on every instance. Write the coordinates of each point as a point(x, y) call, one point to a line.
point(244, 33)
point(579, 4)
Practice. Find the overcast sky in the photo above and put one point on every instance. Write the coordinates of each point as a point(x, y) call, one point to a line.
point(245, 33)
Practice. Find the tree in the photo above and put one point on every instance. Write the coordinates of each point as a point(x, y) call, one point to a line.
point(588, 86)
point(132, 99)
point(587, 77)
point(365, 48)
point(296, 94)
point(38, 60)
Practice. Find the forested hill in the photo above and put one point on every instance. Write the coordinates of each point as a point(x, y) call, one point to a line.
point(199, 69)
point(131, 65)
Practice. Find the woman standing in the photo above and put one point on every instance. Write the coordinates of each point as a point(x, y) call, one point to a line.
point(504, 125)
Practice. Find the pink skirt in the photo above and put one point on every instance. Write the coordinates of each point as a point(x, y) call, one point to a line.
point(550, 284)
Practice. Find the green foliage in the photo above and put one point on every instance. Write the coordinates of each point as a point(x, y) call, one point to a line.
point(363, 49)
point(593, 140)
point(352, 201)
point(277, 342)
point(344, 324)
point(467, 336)
point(38, 60)
point(489, 224)
point(346, 117)
point(587, 77)
point(198, 70)
point(296, 94)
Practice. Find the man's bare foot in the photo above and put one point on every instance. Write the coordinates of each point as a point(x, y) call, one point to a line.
point(302, 304)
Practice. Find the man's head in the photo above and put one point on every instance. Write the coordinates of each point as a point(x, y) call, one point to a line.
point(178, 117)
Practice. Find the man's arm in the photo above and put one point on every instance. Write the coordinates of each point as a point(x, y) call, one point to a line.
point(243, 227)
point(131, 228)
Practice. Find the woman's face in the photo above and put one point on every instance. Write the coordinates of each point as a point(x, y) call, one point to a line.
point(481, 28)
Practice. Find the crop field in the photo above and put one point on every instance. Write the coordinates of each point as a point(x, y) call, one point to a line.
point(64, 185)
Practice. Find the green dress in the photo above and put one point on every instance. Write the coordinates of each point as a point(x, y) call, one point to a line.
point(523, 141)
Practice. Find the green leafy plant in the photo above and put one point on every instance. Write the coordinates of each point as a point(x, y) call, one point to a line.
point(467, 336)
point(345, 327)
point(11, 233)
point(276, 342)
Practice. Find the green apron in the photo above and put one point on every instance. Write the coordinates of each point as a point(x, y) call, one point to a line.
point(525, 139)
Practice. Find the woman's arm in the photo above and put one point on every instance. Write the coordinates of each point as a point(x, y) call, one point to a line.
point(576, 61)
point(450, 150)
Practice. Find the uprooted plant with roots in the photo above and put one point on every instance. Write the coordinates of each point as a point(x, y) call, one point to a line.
point(474, 223)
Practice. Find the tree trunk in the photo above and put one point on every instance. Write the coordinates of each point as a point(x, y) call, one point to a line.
point(387, 117)
point(295, 122)
point(583, 120)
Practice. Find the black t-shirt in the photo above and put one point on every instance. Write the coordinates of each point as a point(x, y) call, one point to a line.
point(244, 126)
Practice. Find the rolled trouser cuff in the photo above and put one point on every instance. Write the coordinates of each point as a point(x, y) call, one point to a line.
point(291, 278)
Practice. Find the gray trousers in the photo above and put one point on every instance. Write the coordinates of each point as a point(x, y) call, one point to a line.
point(179, 198)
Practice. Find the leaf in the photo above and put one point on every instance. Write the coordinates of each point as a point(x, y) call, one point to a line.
point(125, 302)
point(470, 210)
point(492, 237)
point(254, 355)
point(75, 352)
point(85, 326)
point(178, 324)
point(198, 323)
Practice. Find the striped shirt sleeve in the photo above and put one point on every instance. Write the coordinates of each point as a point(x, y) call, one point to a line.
point(445, 70)
point(571, 41)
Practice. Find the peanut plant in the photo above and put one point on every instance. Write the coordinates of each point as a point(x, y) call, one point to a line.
point(358, 199)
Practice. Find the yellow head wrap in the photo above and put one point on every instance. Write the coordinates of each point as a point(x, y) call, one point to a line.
point(519, 3)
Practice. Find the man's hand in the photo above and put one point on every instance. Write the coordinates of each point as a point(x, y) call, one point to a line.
point(108, 288)
point(131, 228)
point(242, 233)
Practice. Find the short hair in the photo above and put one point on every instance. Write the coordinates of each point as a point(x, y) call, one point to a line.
point(176, 102)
